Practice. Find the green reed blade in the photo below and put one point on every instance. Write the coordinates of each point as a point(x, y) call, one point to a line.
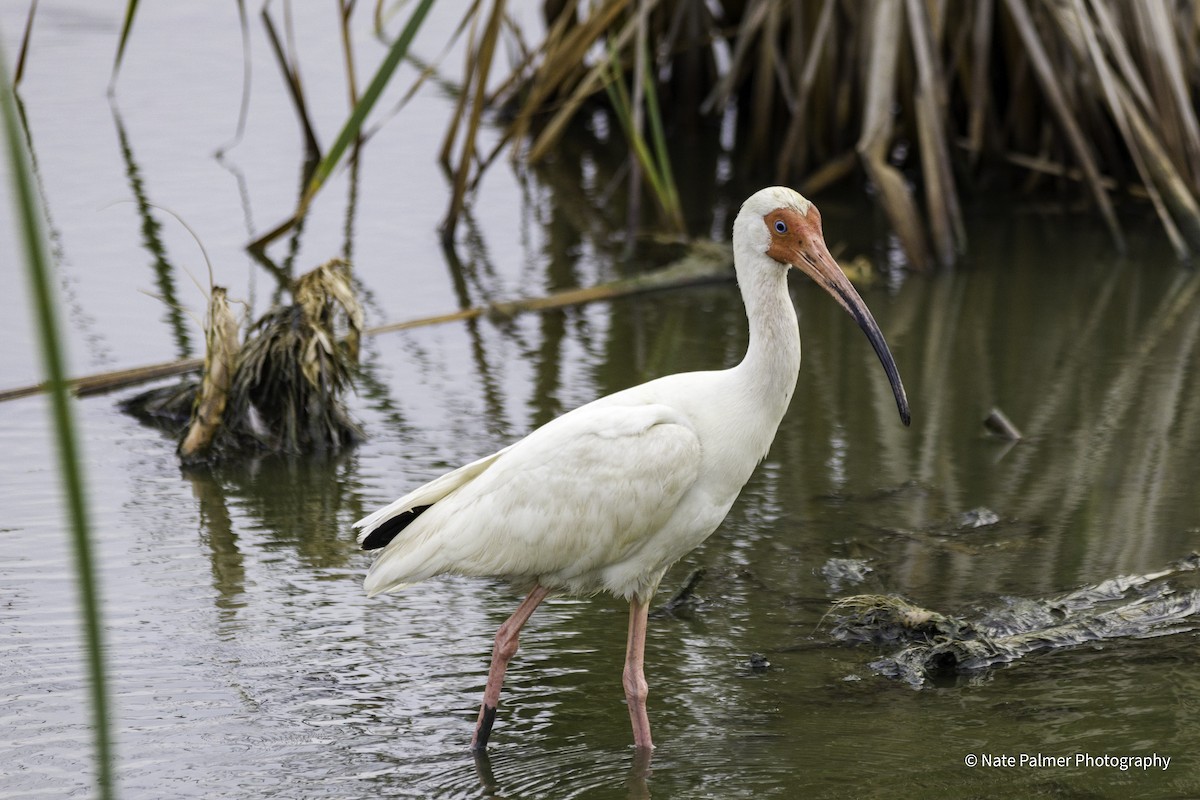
point(20, 69)
point(126, 27)
point(30, 233)
point(655, 167)
point(350, 131)
point(658, 138)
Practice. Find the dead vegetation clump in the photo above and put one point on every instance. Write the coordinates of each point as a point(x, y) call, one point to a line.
point(281, 390)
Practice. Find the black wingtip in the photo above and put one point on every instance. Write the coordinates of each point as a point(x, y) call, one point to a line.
point(389, 529)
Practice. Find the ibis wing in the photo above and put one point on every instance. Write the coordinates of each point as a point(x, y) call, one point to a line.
point(586, 491)
point(425, 495)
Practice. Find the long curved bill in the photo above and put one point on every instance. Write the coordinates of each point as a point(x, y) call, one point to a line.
point(816, 262)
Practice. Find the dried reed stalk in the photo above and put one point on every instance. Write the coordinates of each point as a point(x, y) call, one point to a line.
point(220, 363)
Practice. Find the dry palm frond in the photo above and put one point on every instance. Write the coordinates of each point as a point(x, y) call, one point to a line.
point(325, 295)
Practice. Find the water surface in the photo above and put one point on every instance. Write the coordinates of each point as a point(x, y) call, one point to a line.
point(246, 661)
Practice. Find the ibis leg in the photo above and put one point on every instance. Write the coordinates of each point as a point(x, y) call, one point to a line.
point(634, 677)
point(502, 652)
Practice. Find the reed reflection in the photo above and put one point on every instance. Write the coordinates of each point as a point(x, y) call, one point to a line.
point(164, 270)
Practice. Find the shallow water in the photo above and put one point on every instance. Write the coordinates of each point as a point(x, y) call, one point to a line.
point(247, 663)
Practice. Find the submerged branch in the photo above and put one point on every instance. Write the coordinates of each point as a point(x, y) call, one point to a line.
point(1128, 606)
point(705, 262)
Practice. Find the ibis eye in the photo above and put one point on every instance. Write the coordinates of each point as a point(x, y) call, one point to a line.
point(780, 226)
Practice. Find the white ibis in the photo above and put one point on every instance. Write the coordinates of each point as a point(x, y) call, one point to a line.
point(608, 496)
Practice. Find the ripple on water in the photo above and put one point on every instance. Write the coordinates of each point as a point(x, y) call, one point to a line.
point(518, 770)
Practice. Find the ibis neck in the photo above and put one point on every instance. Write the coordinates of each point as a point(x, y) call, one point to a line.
point(772, 361)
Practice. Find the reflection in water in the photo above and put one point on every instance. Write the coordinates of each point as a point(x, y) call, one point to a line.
point(216, 525)
point(1130, 435)
point(300, 504)
point(243, 191)
point(79, 316)
point(567, 774)
point(458, 278)
point(560, 255)
point(639, 773)
point(310, 511)
point(284, 271)
point(351, 203)
point(1102, 388)
point(164, 271)
point(483, 769)
point(378, 395)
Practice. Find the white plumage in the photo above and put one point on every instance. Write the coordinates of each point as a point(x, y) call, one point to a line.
point(608, 496)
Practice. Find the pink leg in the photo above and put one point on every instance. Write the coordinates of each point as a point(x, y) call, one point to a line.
point(636, 689)
point(502, 652)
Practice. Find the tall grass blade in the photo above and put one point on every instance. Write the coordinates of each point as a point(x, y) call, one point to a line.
point(1163, 52)
point(560, 67)
point(1113, 37)
point(445, 157)
point(292, 78)
point(792, 154)
point(651, 169)
point(1048, 78)
point(353, 126)
point(662, 158)
point(828, 80)
point(482, 62)
point(20, 69)
point(981, 40)
point(874, 143)
point(767, 77)
point(30, 233)
point(949, 232)
point(429, 70)
point(244, 108)
point(1176, 193)
point(126, 27)
point(347, 10)
point(632, 113)
point(1122, 110)
point(152, 241)
point(748, 31)
point(381, 17)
